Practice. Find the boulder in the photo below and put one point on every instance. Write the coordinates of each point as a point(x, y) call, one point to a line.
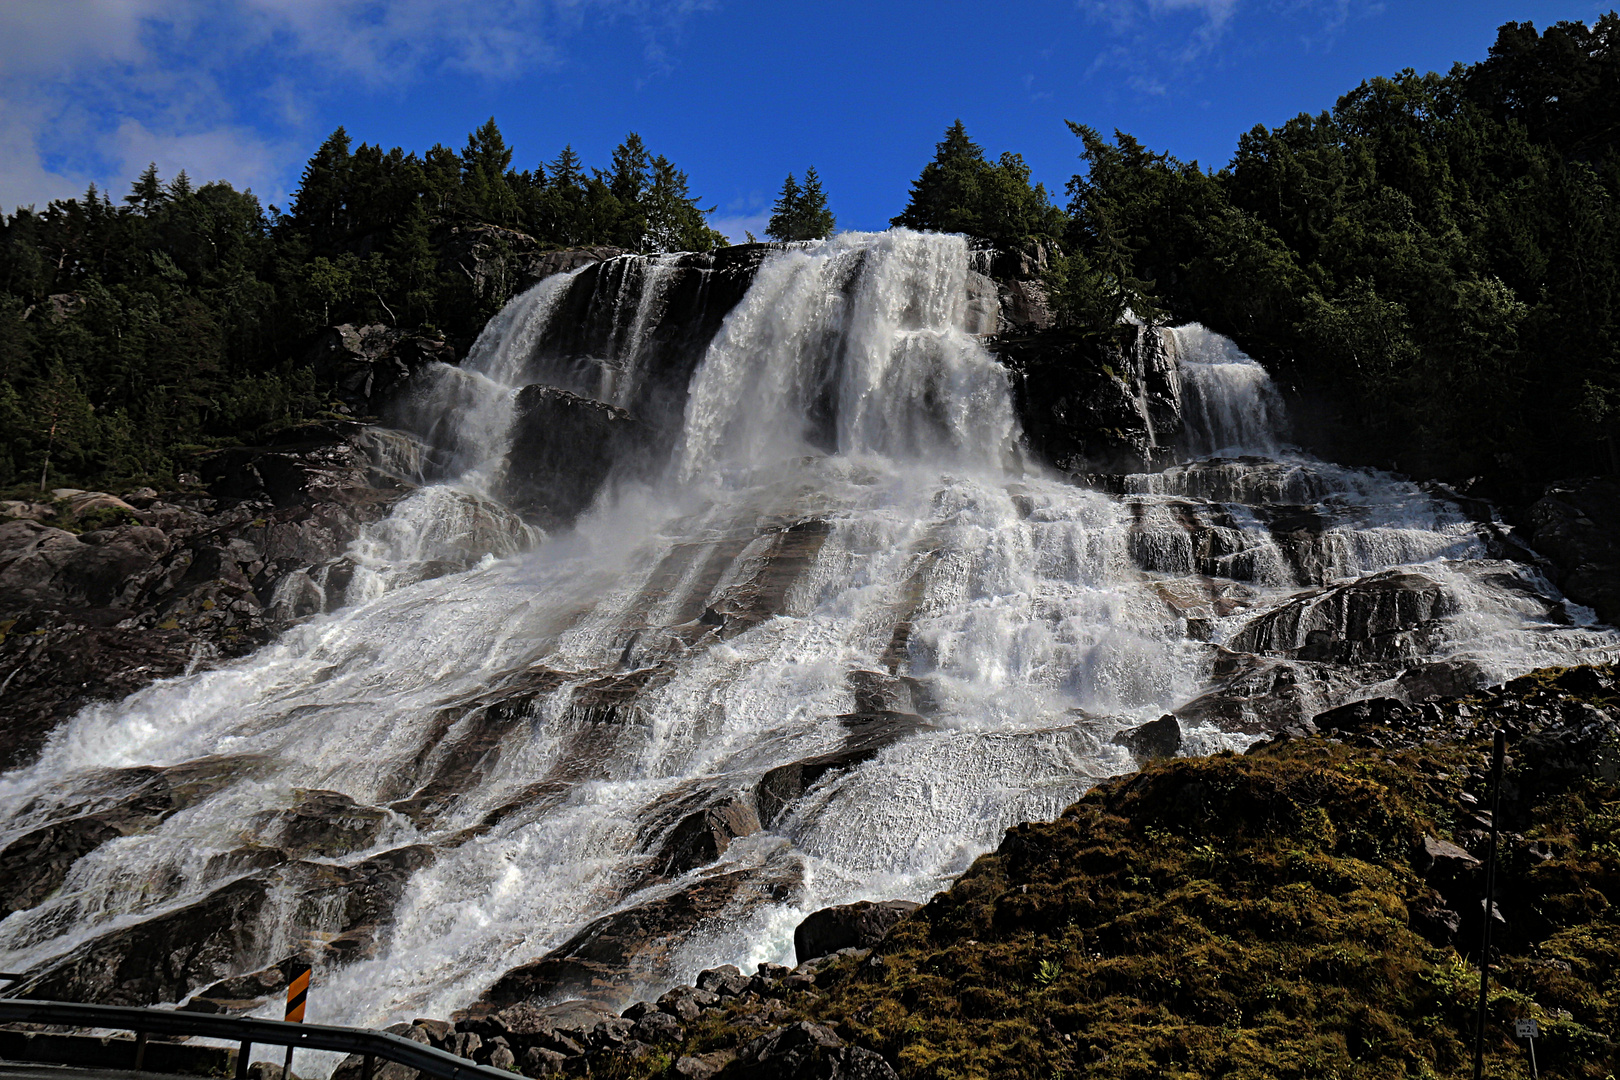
point(1159, 738)
point(860, 925)
point(1386, 616)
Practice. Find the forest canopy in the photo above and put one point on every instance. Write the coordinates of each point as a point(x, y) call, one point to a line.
point(1429, 267)
point(136, 334)
point(1432, 263)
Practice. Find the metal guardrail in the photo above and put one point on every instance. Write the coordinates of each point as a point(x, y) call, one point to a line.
point(246, 1031)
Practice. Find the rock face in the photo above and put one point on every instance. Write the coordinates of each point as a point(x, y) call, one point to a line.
point(367, 365)
point(564, 447)
point(166, 582)
point(860, 925)
point(1577, 525)
point(1090, 405)
point(1379, 617)
point(636, 942)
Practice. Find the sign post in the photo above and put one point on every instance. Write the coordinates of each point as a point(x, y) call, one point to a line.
point(297, 993)
point(1488, 907)
point(1527, 1029)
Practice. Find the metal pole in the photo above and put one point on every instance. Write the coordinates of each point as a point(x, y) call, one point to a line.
point(286, 1068)
point(1490, 888)
point(1534, 1073)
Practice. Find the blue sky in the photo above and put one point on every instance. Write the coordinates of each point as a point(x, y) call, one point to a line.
point(736, 93)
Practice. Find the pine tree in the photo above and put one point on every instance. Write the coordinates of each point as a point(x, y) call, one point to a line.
point(146, 194)
point(563, 201)
point(630, 175)
point(801, 213)
point(815, 221)
point(946, 196)
point(674, 221)
point(180, 187)
point(484, 166)
point(320, 205)
point(784, 215)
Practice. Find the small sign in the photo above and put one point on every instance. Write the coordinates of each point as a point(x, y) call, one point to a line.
point(297, 994)
point(1526, 1029)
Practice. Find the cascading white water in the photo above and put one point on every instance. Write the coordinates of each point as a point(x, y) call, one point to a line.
point(1229, 402)
point(1027, 619)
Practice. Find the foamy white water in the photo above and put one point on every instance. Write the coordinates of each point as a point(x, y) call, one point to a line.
point(848, 493)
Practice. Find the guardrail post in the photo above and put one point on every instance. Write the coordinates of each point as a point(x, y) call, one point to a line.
point(243, 1052)
point(368, 1063)
point(140, 1050)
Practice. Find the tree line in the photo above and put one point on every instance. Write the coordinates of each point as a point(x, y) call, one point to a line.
point(136, 334)
point(1430, 268)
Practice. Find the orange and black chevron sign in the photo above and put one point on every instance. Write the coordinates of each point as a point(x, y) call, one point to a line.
point(297, 993)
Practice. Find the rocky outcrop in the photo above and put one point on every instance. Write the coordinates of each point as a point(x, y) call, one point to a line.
point(366, 365)
point(1090, 404)
point(1577, 525)
point(1159, 738)
point(634, 944)
point(861, 925)
point(564, 448)
point(1020, 271)
point(1384, 616)
point(158, 584)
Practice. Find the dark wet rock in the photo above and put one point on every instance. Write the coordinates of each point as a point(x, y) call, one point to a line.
point(860, 925)
point(367, 365)
point(124, 802)
point(564, 448)
point(1159, 738)
point(1089, 405)
point(1576, 524)
point(869, 733)
point(1383, 616)
point(806, 1051)
point(327, 823)
point(164, 958)
point(634, 944)
point(702, 837)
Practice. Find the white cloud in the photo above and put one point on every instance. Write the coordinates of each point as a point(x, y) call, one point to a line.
point(96, 89)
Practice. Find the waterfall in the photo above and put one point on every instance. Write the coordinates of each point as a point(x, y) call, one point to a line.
point(846, 560)
point(1229, 402)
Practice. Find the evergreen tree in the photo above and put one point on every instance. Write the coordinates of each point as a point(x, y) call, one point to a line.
point(961, 191)
point(486, 189)
point(147, 193)
point(674, 221)
point(785, 214)
point(815, 220)
point(631, 170)
point(801, 213)
point(320, 205)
